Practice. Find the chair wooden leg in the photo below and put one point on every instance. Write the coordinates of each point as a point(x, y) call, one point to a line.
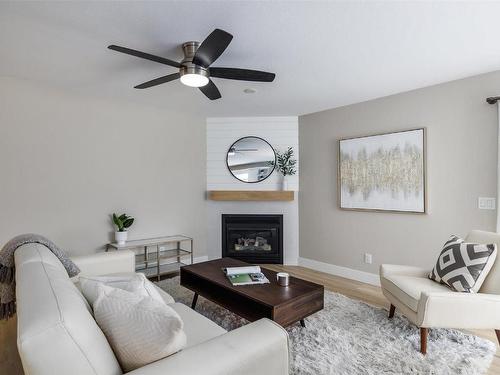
point(497, 331)
point(392, 309)
point(423, 340)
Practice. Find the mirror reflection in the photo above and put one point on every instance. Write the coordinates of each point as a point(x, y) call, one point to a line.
point(251, 159)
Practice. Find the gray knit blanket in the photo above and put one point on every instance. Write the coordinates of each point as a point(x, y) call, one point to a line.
point(7, 269)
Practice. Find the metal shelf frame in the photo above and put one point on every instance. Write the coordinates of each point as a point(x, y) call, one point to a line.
point(158, 263)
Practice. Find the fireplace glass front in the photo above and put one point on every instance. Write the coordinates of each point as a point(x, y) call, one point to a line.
point(253, 238)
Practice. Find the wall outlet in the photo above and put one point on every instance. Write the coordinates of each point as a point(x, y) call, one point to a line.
point(484, 203)
point(368, 258)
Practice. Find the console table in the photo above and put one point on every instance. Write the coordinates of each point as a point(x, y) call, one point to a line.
point(163, 259)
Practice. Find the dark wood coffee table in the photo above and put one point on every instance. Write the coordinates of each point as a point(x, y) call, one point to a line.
point(284, 305)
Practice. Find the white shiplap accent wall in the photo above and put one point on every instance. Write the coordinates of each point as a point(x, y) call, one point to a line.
point(280, 132)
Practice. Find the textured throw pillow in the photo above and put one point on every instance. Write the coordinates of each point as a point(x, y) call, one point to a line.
point(132, 282)
point(464, 266)
point(140, 330)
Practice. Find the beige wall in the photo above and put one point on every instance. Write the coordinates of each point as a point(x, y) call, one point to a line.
point(67, 162)
point(461, 166)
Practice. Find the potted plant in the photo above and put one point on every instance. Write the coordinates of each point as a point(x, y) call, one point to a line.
point(122, 222)
point(286, 165)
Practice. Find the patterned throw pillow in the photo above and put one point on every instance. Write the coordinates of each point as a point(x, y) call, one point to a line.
point(463, 266)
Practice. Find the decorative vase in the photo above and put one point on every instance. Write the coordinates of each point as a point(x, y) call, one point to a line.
point(121, 237)
point(284, 183)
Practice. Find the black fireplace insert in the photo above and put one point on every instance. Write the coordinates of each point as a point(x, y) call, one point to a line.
point(256, 238)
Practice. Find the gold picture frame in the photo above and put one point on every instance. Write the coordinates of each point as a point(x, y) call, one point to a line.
point(383, 172)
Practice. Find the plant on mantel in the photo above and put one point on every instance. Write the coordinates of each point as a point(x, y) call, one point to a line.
point(122, 223)
point(286, 165)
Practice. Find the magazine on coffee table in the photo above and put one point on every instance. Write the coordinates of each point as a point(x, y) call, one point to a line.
point(249, 275)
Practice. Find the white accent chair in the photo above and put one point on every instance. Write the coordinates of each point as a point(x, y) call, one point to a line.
point(57, 333)
point(428, 304)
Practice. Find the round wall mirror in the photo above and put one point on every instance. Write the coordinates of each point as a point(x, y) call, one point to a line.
point(251, 159)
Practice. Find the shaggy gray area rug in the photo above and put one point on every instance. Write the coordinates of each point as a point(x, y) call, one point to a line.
point(351, 337)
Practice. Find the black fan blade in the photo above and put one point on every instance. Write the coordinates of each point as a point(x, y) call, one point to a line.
point(211, 91)
point(144, 55)
point(158, 81)
point(212, 47)
point(242, 74)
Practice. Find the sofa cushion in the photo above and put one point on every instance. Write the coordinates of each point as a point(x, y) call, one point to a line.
point(140, 329)
point(463, 266)
point(409, 288)
point(132, 282)
point(56, 331)
point(197, 328)
point(167, 298)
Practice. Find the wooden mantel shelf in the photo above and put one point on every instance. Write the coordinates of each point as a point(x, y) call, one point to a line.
point(251, 195)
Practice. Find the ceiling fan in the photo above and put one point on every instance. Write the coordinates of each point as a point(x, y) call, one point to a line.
point(195, 69)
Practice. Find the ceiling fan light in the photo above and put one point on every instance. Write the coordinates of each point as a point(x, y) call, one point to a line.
point(194, 80)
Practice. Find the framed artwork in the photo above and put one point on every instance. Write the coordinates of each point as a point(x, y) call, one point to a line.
point(383, 172)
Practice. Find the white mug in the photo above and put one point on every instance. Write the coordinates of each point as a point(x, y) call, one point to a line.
point(283, 278)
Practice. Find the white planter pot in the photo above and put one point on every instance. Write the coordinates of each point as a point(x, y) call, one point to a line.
point(121, 237)
point(284, 183)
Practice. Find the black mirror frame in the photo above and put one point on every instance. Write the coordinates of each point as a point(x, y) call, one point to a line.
point(250, 136)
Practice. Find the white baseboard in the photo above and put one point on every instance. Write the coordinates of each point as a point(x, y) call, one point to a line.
point(291, 262)
point(348, 273)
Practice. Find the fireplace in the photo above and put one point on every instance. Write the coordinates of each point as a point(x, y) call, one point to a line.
point(253, 238)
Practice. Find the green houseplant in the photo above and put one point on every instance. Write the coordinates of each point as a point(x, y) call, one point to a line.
point(286, 165)
point(122, 223)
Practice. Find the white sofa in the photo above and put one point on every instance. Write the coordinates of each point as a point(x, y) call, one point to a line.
point(58, 335)
point(429, 304)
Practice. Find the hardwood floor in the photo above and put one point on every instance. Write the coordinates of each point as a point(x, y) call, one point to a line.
point(10, 362)
point(371, 295)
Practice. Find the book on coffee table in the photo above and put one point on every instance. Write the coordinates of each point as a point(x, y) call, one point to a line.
point(245, 275)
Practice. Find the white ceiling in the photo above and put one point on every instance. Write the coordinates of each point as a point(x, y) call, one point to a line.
point(324, 54)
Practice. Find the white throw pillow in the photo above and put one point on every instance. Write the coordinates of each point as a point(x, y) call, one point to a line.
point(132, 282)
point(139, 329)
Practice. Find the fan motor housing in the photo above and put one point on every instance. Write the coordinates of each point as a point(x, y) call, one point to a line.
point(189, 49)
point(190, 68)
point(187, 66)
